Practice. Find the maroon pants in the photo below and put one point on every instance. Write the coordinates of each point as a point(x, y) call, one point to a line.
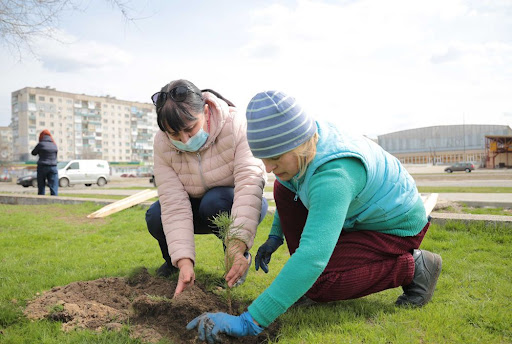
point(363, 262)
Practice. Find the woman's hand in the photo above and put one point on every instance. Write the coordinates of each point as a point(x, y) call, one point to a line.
point(235, 258)
point(211, 325)
point(187, 275)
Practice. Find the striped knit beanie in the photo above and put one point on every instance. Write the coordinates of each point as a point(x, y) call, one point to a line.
point(276, 124)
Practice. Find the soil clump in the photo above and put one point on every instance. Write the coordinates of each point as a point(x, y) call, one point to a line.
point(144, 301)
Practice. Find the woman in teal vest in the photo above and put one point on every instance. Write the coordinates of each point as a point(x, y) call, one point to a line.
point(350, 213)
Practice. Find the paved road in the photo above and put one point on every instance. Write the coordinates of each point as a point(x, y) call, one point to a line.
point(117, 186)
point(424, 176)
point(465, 183)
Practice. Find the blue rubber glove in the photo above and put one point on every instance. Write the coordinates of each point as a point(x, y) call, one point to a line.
point(210, 325)
point(265, 252)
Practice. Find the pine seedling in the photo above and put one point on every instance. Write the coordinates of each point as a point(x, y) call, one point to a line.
point(230, 235)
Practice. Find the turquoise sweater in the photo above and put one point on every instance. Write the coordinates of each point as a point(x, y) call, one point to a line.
point(331, 190)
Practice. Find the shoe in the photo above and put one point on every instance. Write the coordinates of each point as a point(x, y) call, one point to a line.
point(166, 271)
point(242, 279)
point(304, 301)
point(427, 268)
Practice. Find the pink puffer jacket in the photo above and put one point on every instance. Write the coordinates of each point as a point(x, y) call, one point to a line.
point(224, 160)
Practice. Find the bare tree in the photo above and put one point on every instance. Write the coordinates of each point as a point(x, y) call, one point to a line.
point(22, 21)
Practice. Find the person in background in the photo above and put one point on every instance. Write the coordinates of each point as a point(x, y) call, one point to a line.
point(350, 213)
point(47, 163)
point(203, 166)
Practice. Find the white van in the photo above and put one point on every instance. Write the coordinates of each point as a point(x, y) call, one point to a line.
point(86, 172)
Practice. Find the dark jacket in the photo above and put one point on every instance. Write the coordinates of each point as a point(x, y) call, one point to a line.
point(47, 151)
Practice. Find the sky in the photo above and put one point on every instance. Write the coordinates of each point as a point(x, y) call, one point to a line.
point(371, 66)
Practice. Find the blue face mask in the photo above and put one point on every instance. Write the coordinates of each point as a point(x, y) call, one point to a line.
point(194, 143)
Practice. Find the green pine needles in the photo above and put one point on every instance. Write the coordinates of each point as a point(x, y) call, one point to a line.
point(230, 235)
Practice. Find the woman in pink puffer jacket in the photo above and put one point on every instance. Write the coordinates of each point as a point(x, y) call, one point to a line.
point(203, 166)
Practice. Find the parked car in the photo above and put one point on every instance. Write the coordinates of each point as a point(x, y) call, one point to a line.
point(86, 172)
point(28, 180)
point(5, 178)
point(128, 175)
point(460, 166)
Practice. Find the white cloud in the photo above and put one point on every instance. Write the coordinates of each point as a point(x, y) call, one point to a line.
point(373, 66)
point(67, 54)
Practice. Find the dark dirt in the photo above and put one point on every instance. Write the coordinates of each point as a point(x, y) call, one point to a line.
point(143, 300)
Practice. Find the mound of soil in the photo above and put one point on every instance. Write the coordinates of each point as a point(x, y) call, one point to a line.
point(146, 302)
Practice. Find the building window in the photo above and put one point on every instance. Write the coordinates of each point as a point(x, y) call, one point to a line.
point(41, 98)
point(32, 98)
point(51, 100)
point(42, 123)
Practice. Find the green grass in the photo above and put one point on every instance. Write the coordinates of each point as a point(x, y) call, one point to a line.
point(487, 211)
point(98, 196)
point(150, 186)
point(50, 245)
point(479, 211)
point(470, 189)
point(101, 196)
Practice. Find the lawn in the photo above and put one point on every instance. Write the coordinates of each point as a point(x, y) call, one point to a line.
point(465, 189)
point(51, 245)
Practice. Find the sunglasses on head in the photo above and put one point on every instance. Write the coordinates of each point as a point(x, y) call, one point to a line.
point(178, 94)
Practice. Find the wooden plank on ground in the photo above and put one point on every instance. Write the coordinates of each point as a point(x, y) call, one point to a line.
point(124, 203)
point(430, 202)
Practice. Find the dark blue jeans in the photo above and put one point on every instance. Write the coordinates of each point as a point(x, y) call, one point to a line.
point(50, 173)
point(215, 201)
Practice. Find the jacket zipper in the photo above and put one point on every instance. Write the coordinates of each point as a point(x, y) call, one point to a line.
point(296, 188)
point(201, 171)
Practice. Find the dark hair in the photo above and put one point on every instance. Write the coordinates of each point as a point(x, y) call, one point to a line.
point(218, 95)
point(176, 115)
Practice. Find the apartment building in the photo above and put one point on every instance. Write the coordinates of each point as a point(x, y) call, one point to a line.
point(83, 126)
point(5, 144)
